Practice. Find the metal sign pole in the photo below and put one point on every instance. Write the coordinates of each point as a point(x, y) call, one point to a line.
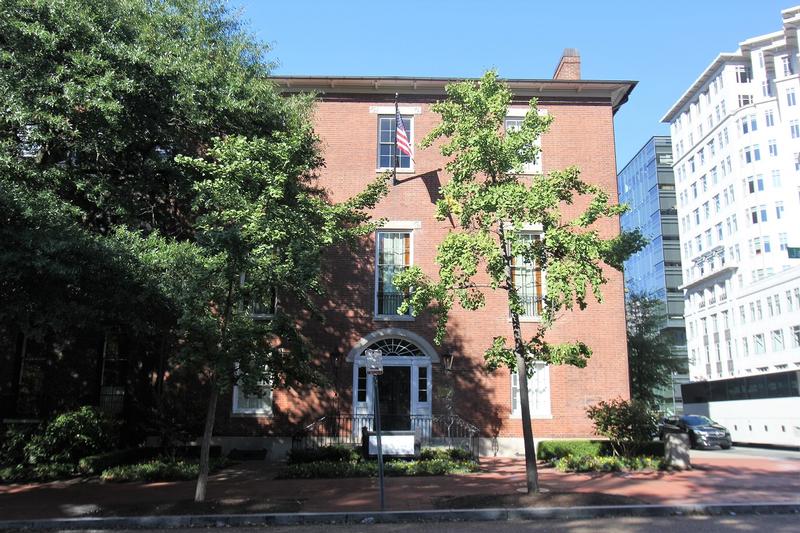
point(374, 364)
point(378, 430)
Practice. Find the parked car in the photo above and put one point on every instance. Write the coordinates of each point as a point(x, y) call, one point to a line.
point(703, 432)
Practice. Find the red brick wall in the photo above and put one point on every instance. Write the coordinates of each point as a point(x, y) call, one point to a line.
point(582, 135)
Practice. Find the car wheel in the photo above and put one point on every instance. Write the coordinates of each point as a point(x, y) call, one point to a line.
point(725, 446)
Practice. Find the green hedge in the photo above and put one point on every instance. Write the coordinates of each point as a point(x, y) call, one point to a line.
point(343, 469)
point(455, 454)
point(552, 450)
point(95, 464)
point(577, 463)
point(323, 454)
point(36, 473)
point(161, 469)
point(549, 450)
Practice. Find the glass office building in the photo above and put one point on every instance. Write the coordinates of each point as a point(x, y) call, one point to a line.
point(647, 185)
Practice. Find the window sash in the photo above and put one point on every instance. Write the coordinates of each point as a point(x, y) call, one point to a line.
point(393, 255)
point(386, 142)
point(527, 280)
point(251, 403)
point(538, 393)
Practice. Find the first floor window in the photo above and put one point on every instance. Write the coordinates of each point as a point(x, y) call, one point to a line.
point(538, 393)
point(393, 257)
point(527, 280)
point(253, 404)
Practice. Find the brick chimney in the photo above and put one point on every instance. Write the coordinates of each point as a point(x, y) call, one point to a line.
point(569, 68)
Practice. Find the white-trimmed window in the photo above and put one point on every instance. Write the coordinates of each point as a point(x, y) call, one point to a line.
point(528, 280)
point(387, 133)
point(261, 306)
point(538, 394)
point(393, 255)
point(514, 123)
point(252, 404)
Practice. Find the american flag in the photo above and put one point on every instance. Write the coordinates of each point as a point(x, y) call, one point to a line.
point(402, 137)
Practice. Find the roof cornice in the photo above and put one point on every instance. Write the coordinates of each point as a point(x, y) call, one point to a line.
point(617, 91)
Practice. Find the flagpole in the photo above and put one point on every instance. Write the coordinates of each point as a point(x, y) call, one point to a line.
point(396, 125)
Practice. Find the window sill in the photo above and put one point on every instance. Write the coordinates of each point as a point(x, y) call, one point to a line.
point(251, 414)
point(518, 416)
point(528, 319)
point(395, 318)
point(399, 170)
point(262, 316)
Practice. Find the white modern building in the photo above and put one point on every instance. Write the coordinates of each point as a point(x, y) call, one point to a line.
point(736, 144)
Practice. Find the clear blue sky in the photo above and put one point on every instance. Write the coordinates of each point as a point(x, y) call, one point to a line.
point(664, 45)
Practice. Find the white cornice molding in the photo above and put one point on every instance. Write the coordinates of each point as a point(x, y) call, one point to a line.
point(389, 110)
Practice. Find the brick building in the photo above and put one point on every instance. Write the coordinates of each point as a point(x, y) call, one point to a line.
point(354, 118)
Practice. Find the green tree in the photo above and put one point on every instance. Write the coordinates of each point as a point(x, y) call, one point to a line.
point(651, 361)
point(493, 206)
point(259, 229)
point(153, 132)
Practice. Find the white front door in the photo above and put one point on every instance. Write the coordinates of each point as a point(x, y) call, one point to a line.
point(406, 390)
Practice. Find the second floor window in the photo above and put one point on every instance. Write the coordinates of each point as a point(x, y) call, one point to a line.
point(393, 257)
point(527, 279)
point(387, 137)
point(534, 167)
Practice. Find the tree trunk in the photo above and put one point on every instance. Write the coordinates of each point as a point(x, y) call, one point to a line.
point(531, 471)
point(205, 446)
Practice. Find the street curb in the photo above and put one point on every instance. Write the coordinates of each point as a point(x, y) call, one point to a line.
point(365, 517)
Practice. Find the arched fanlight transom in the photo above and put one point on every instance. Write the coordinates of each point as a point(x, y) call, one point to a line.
point(396, 348)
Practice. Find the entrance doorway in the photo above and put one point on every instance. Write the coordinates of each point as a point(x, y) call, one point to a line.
point(395, 398)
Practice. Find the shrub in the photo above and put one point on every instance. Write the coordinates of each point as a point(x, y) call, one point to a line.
point(12, 449)
point(42, 472)
point(95, 464)
point(577, 463)
point(548, 450)
point(455, 454)
point(161, 469)
point(69, 437)
point(323, 453)
point(628, 425)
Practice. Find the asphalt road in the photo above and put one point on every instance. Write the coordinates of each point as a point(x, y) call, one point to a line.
point(677, 524)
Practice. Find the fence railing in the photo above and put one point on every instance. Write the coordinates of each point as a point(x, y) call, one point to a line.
point(447, 431)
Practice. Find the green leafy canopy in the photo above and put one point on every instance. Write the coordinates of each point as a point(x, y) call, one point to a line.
point(494, 206)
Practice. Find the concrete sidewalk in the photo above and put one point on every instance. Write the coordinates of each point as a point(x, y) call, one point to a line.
point(250, 487)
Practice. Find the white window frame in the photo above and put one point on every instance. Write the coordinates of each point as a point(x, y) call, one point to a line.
point(541, 407)
point(408, 114)
point(245, 411)
point(393, 227)
point(535, 230)
point(249, 307)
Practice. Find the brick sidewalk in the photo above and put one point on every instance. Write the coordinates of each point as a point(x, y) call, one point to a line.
point(250, 487)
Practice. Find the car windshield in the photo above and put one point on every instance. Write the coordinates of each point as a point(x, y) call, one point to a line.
point(697, 420)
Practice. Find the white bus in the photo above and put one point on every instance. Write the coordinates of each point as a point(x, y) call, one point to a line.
point(760, 409)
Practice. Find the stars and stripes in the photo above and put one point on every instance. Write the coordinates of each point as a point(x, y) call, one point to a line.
point(401, 139)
